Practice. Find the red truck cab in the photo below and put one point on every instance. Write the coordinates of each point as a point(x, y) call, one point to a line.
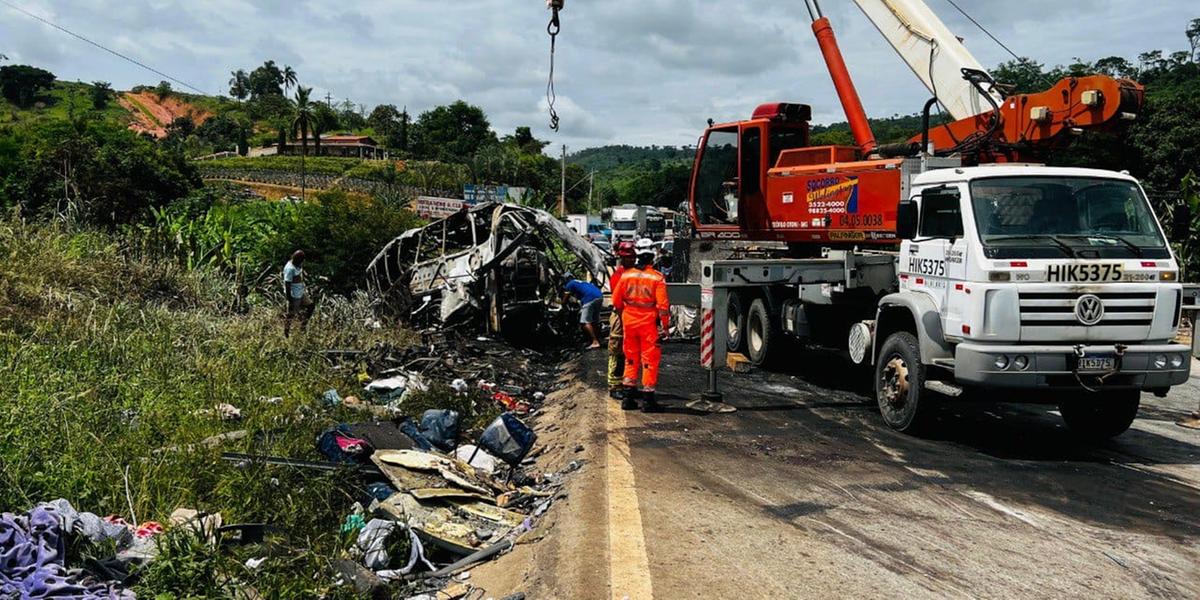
point(758, 179)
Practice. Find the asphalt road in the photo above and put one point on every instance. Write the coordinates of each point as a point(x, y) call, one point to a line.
point(805, 493)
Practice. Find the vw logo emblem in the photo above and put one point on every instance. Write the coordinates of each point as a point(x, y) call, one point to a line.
point(1089, 309)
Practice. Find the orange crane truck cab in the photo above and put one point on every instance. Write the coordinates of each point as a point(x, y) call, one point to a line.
point(758, 180)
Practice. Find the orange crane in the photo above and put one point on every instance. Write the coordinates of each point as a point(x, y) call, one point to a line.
point(759, 179)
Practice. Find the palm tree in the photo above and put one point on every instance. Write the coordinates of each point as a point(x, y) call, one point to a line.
point(303, 122)
point(289, 77)
point(239, 84)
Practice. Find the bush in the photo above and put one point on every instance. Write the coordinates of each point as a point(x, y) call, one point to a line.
point(93, 172)
point(340, 234)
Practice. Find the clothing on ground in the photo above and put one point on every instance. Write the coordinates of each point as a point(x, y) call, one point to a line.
point(33, 553)
point(583, 291)
point(293, 275)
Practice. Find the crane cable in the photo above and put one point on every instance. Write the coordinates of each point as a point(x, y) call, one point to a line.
point(100, 46)
point(552, 29)
point(983, 29)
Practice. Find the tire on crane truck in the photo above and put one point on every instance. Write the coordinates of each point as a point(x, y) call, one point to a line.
point(735, 322)
point(900, 391)
point(763, 336)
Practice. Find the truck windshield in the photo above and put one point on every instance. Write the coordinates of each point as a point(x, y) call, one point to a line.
point(656, 225)
point(625, 225)
point(1050, 217)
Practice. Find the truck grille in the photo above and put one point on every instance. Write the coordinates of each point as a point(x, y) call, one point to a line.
point(1057, 309)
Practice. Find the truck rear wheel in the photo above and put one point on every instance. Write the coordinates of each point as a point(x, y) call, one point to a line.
point(900, 384)
point(762, 335)
point(1101, 415)
point(735, 323)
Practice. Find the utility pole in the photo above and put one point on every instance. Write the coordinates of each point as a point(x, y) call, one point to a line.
point(591, 188)
point(328, 100)
point(562, 199)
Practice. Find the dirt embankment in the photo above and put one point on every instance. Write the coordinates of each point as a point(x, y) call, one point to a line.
point(152, 114)
point(566, 556)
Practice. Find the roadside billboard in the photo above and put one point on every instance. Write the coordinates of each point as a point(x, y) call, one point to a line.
point(485, 193)
point(430, 207)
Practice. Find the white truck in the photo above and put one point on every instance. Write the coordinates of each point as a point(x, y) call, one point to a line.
point(1021, 283)
point(1015, 282)
point(630, 222)
point(1042, 284)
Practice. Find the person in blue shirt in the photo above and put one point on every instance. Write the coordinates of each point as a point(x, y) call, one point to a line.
point(590, 298)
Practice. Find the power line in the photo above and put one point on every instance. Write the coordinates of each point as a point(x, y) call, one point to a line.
point(100, 46)
point(983, 29)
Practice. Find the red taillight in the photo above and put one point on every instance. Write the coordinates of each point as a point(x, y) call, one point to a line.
point(920, 281)
point(1018, 264)
point(958, 286)
point(1149, 264)
point(967, 329)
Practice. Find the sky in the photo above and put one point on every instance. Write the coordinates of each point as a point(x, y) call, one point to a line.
point(636, 72)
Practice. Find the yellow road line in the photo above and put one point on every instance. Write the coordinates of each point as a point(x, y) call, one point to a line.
point(628, 566)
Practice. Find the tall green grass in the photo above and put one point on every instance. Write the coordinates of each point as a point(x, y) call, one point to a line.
point(107, 359)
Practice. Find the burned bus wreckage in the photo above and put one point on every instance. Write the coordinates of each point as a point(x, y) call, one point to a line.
point(497, 265)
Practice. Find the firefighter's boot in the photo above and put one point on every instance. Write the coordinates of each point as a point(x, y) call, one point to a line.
point(649, 403)
point(629, 398)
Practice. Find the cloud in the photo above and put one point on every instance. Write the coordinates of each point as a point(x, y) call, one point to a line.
point(628, 71)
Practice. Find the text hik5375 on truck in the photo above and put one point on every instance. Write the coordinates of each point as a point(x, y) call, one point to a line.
point(952, 263)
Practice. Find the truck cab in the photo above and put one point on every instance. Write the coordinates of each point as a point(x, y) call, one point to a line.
point(1056, 281)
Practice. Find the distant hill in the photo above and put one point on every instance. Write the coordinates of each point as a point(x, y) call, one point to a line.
point(151, 114)
point(621, 157)
point(889, 130)
point(607, 158)
point(140, 109)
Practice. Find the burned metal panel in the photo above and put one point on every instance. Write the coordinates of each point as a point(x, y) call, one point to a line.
point(495, 260)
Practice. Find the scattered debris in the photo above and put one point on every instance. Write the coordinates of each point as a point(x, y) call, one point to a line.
point(477, 458)
point(737, 363)
point(223, 411)
point(331, 398)
point(204, 525)
point(434, 487)
point(508, 439)
point(708, 406)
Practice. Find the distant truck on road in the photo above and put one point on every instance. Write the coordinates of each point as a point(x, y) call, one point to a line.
point(630, 222)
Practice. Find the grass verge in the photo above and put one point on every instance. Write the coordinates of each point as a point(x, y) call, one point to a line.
point(107, 362)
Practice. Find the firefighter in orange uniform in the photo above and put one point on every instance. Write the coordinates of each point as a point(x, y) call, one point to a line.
point(641, 298)
point(616, 334)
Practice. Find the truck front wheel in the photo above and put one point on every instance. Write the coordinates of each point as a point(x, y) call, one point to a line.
point(1102, 415)
point(900, 384)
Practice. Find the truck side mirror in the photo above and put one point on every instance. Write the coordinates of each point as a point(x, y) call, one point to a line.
point(1181, 223)
point(906, 220)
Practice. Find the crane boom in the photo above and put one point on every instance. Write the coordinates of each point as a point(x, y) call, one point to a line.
point(932, 51)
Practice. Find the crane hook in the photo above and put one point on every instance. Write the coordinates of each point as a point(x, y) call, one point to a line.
point(552, 29)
